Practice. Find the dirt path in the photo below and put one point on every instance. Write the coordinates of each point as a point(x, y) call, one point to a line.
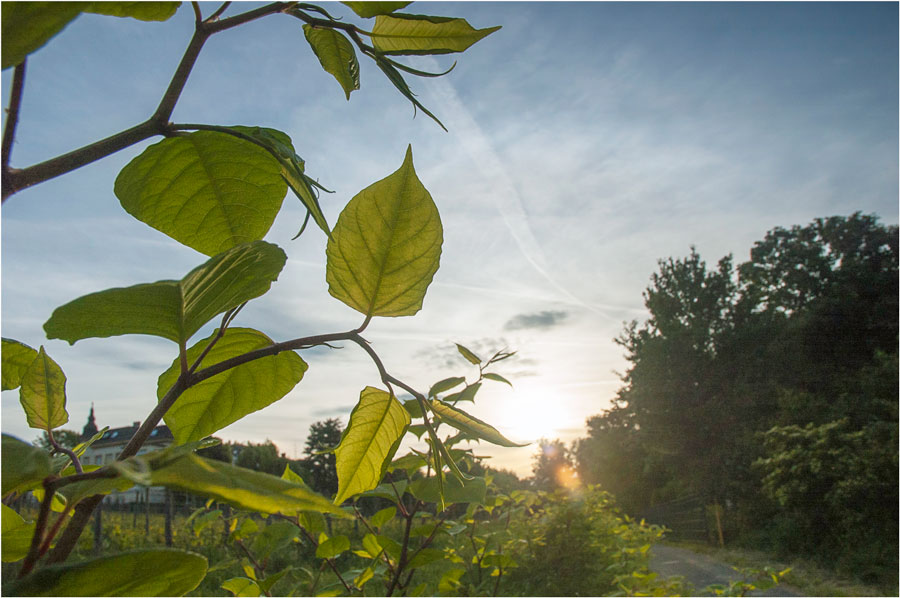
point(701, 570)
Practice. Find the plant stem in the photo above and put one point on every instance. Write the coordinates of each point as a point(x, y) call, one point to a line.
point(68, 452)
point(33, 550)
point(12, 113)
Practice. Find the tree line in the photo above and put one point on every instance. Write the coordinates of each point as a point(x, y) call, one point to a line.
point(770, 389)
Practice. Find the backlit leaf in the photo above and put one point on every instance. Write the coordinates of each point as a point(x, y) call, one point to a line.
point(469, 424)
point(454, 491)
point(172, 309)
point(336, 54)
point(16, 535)
point(16, 359)
point(142, 11)
point(223, 399)
point(81, 490)
point(208, 190)
point(497, 378)
point(333, 547)
point(368, 10)
point(422, 34)
point(27, 26)
point(466, 394)
point(445, 385)
point(470, 357)
point(155, 572)
point(242, 586)
point(290, 476)
point(386, 246)
point(279, 144)
point(273, 537)
point(383, 516)
point(376, 427)
point(43, 393)
point(241, 487)
point(23, 465)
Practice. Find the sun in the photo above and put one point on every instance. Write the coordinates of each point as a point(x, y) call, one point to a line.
point(529, 414)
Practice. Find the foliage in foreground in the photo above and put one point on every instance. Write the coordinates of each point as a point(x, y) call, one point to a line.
point(217, 189)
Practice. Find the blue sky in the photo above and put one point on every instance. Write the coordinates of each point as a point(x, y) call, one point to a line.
point(586, 141)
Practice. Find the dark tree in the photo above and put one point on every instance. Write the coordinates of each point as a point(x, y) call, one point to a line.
point(552, 466)
point(319, 462)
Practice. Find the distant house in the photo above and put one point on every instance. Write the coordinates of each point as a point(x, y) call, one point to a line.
point(107, 448)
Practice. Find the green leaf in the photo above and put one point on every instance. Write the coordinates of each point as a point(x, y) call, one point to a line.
point(367, 10)
point(386, 246)
point(312, 522)
point(470, 357)
point(387, 490)
point(43, 393)
point(27, 26)
point(172, 309)
point(208, 190)
point(292, 477)
point(445, 385)
point(16, 535)
point(497, 378)
point(455, 491)
point(23, 466)
point(155, 572)
point(390, 546)
point(466, 394)
point(242, 586)
point(59, 462)
point(360, 580)
point(336, 54)
point(16, 359)
point(371, 545)
point(279, 144)
point(333, 547)
point(469, 424)
point(266, 584)
point(426, 556)
point(422, 34)
point(221, 400)
point(241, 487)
point(383, 516)
point(272, 538)
point(377, 425)
point(73, 493)
point(142, 11)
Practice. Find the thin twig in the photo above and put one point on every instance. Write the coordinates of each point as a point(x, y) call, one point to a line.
point(68, 452)
point(12, 113)
point(226, 320)
point(198, 16)
point(214, 16)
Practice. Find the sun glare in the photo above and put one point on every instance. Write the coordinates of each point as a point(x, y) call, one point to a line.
point(531, 414)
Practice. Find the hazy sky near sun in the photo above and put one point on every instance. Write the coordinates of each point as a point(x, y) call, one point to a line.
point(586, 141)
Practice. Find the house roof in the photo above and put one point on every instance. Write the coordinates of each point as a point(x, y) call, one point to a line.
point(115, 436)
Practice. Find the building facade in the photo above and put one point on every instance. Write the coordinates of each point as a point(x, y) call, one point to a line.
point(107, 448)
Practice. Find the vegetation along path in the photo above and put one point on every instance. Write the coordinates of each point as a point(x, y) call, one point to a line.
point(701, 570)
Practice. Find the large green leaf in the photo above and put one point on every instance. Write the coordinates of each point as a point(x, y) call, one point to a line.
point(279, 144)
point(142, 11)
point(207, 190)
point(422, 34)
point(225, 398)
point(80, 490)
point(154, 572)
point(469, 424)
point(23, 465)
point(454, 490)
point(336, 54)
point(43, 393)
point(16, 535)
point(377, 425)
point(27, 26)
point(16, 359)
point(386, 246)
point(367, 10)
point(241, 487)
point(169, 308)
point(242, 586)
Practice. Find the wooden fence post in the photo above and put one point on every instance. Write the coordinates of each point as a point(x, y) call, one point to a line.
point(168, 517)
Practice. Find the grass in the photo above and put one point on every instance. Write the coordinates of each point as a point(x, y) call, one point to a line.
point(811, 579)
